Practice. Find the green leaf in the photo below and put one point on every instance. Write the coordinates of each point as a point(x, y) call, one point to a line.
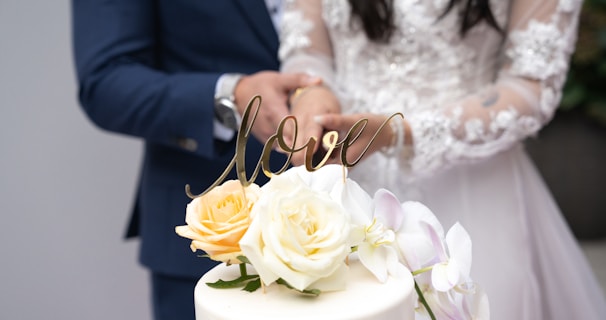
point(253, 285)
point(313, 292)
point(243, 259)
point(236, 283)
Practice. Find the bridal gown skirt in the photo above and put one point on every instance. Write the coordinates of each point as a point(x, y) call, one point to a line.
point(524, 254)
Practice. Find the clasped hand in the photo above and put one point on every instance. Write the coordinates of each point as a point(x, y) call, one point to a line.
point(317, 111)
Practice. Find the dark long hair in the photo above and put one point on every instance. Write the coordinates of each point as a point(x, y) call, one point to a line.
point(378, 21)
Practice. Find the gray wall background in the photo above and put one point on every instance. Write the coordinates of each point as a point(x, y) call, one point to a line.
point(65, 186)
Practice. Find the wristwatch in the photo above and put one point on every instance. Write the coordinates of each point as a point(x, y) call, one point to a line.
point(226, 110)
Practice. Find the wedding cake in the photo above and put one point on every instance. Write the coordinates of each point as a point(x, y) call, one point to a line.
point(315, 245)
point(363, 299)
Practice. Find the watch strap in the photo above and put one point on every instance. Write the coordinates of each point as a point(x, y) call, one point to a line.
point(226, 86)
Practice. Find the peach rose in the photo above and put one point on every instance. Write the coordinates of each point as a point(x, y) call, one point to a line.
point(218, 219)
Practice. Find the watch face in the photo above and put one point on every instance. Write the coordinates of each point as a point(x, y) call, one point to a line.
point(227, 114)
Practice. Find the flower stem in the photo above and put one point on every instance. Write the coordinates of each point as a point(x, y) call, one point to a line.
point(418, 272)
point(424, 302)
point(243, 270)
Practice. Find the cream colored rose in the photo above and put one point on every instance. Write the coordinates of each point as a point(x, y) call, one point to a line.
point(299, 232)
point(217, 220)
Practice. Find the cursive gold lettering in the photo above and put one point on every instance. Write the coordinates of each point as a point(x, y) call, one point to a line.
point(330, 140)
point(239, 159)
point(355, 132)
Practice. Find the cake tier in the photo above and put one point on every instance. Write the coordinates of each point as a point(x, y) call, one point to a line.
point(364, 299)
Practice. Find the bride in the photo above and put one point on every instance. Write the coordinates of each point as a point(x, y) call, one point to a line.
point(473, 78)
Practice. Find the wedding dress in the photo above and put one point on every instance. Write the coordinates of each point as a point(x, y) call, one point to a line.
point(470, 102)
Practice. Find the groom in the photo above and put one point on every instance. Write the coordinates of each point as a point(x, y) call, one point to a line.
point(177, 74)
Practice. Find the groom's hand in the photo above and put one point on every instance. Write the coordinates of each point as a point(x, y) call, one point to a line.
point(274, 89)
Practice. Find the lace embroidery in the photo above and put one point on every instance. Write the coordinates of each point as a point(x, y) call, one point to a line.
point(538, 51)
point(427, 70)
point(297, 29)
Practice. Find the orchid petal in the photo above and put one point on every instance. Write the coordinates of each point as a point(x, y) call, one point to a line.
point(414, 212)
point(355, 200)
point(478, 305)
point(394, 267)
point(443, 278)
point(459, 247)
point(388, 209)
point(453, 272)
point(447, 305)
point(356, 235)
point(374, 259)
point(418, 247)
point(415, 249)
point(450, 305)
point(436, 241)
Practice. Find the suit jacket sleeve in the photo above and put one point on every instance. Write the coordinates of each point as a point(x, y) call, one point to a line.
point(122, 87)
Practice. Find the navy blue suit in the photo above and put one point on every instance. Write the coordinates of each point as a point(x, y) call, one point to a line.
point(148, 68)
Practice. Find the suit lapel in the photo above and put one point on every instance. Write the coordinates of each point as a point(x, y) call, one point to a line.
point(255, 12)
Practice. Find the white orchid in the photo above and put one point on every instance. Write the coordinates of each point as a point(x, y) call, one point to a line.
point(442, 265)
point(374, 226)
point(414, 243)
point(454, 255)
point(463, 302)
point(378, 252)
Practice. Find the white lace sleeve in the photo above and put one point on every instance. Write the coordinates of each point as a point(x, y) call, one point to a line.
point(539, 41)
point(539, 38)
point(304, 40)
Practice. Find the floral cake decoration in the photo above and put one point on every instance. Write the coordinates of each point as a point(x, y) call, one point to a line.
point(302, 227)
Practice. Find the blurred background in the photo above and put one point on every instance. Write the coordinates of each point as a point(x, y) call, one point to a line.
point(571, 151)
point(66, 187)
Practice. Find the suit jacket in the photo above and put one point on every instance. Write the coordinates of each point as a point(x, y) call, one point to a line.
point(148, 68)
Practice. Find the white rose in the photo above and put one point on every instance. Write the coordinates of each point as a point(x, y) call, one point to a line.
point(299, 232)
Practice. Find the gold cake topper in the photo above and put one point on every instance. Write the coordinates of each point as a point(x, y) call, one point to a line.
point(330, 140)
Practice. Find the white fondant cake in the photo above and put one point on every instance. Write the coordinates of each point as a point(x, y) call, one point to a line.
point(364, 299)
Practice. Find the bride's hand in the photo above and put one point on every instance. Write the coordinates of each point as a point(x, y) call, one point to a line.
point(385, 137)
point(307, 104)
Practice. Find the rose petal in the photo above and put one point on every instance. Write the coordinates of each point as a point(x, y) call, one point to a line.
point(335, 282)
point(298, 233)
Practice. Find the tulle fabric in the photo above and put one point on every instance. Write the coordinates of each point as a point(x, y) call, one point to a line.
point(524, 254)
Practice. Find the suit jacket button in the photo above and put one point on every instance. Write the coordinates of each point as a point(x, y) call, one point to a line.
point(188, 144)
